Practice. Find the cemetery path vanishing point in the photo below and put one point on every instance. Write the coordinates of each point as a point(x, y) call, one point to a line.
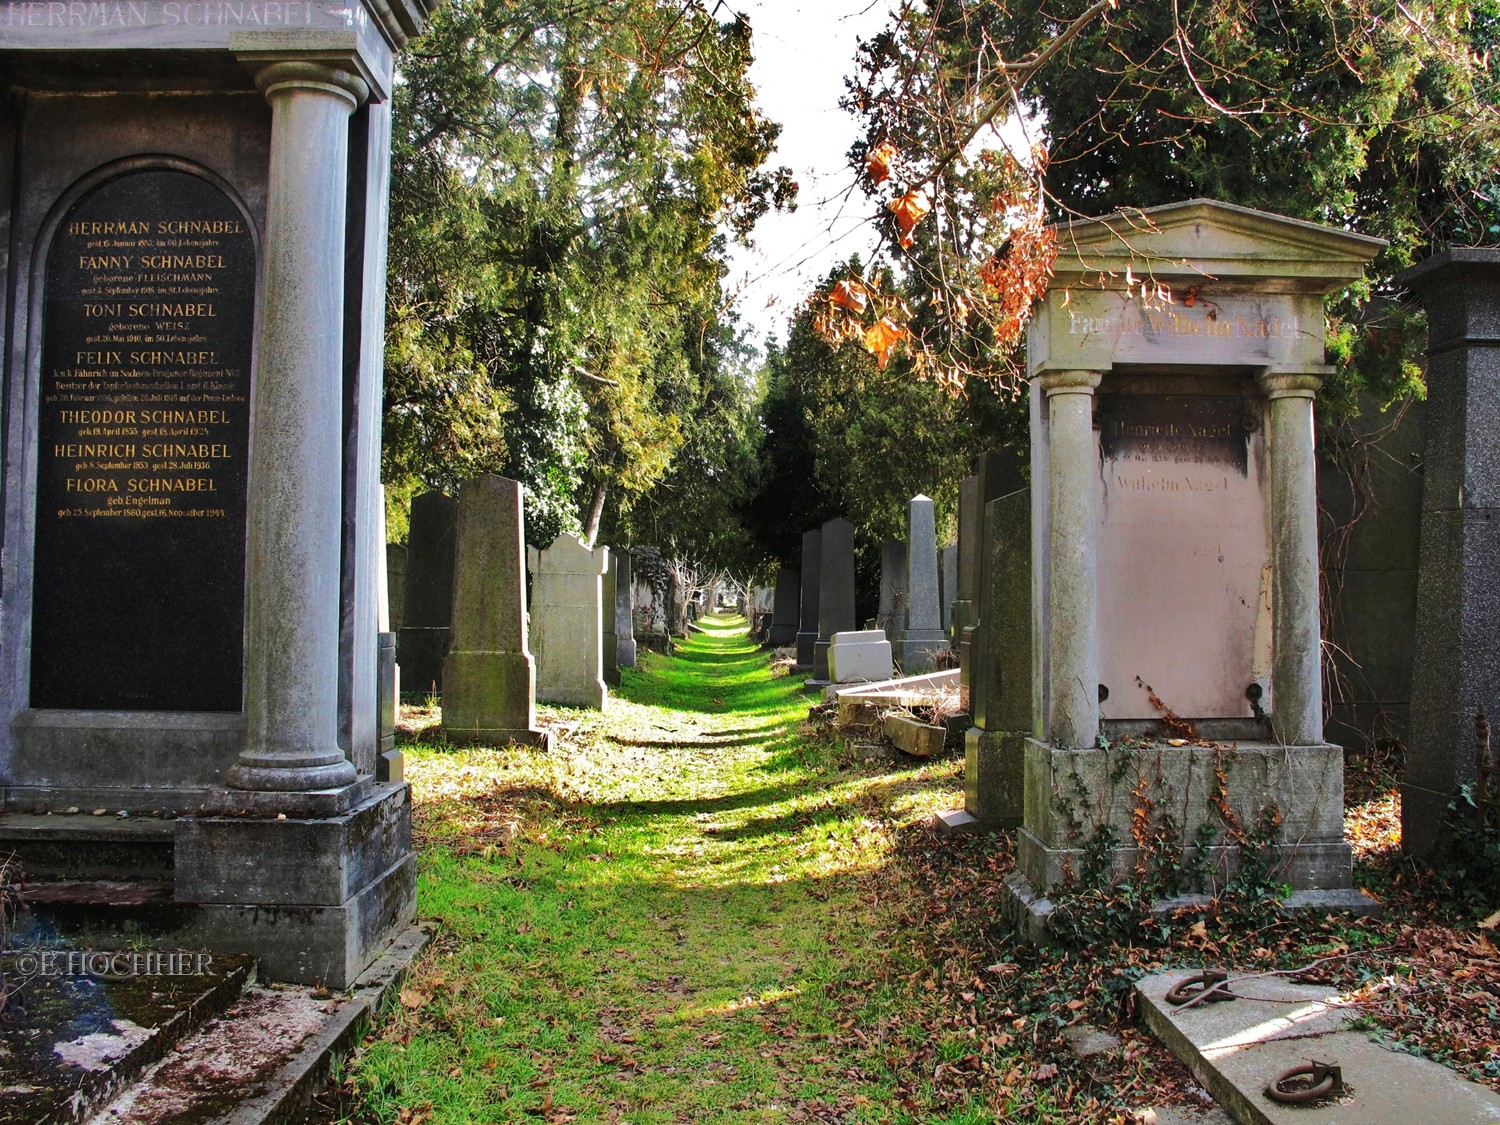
point(687, 913)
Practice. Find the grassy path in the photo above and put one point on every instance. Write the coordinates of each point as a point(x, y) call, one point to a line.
point(674, 918)
point(698, 910)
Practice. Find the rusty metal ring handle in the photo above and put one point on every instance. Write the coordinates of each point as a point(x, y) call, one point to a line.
point(1213, 988)
point(1327, 1081)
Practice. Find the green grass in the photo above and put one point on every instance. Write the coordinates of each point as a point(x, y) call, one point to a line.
point(680, 915)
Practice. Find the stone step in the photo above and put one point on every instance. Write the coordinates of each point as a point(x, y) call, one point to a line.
point(1236, 1048)
point(80, 1024)
point(63, 845)
point(263, 1058)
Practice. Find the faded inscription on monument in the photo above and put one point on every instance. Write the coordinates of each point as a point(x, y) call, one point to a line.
point(1183, 551)
point(138, 598)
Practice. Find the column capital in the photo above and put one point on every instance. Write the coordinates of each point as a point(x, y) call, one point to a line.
point(283, 71)
point(1069, 382)
point(1296, 382)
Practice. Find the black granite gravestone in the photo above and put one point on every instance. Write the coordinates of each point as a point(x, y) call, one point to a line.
point(143, 424)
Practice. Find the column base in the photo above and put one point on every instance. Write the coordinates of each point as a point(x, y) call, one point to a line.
point(1030, 914)
point(1071, 796)
point(918, 650)
point(316, 899)
point(331, 801)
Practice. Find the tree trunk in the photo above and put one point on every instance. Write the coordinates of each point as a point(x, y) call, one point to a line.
point(596, 513)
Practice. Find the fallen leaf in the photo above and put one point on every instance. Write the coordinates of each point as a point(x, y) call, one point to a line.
point(412, 998)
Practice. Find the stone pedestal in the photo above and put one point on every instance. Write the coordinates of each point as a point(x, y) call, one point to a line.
point(427, 618)
point(922, 637)
point(784, 608)
point(316, 900)
point(1194, 419)
point(948, 583)
point(1456, 669)
point(863, 656)
point(568, 616)
point(807, 618)
point(489, 692)
point(835, 593)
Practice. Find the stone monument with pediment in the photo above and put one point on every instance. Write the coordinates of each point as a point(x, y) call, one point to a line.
point(1176, 638)
point(193, 272)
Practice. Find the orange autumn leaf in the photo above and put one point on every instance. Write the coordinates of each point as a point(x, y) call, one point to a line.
point(882, 338)
point(878, 162)
point(851, 294)
point(910, 210)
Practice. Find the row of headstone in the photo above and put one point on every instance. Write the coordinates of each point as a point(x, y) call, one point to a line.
point(464, 615)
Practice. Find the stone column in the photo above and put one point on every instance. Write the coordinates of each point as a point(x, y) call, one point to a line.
point(1296, 678)
point(922, 632)
point(292, 606)
point(1073, 632)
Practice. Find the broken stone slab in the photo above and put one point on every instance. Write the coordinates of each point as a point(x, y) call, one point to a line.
point(1236, 1048)
point(928, 683)
point(914, 737)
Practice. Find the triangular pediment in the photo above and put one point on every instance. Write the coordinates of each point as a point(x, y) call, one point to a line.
point(1204, 238)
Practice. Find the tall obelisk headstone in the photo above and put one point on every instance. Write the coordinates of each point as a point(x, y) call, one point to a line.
point(807, 614)
point(568, 619)
point(1456, 666)
point(921, 637)
point(835, 592)
point(489, 679)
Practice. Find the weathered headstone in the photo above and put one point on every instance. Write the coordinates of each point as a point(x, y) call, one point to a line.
point(489, 679)
point(998, 473)
point(426, 621)
point(624, 610)
point(611, 596)
point(835, 592)
point(891, 617)
point(568, 620)
point(861, 656)
point(188, 613)
point(921, 636)
point(1456, 669)
point(807, 616)
point(1175, 549)
point(785, 608)
point(970, 536)
point(948, 584)
point(652, 605)
point(395, 585)
point(1000, 690)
